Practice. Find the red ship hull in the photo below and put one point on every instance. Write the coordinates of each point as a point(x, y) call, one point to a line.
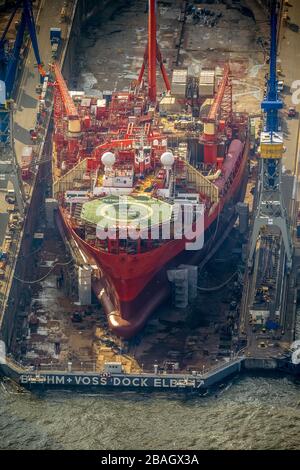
point(131, 287)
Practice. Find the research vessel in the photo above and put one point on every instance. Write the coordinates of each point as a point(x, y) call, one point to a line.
point(146, 182)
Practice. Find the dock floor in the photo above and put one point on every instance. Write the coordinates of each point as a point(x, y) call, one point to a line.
point(195, 338)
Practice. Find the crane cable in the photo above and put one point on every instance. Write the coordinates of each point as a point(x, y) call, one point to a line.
point(46, 275)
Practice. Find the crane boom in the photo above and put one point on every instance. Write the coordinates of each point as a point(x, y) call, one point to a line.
point(221, 109)
point(216, 106)
point(272, 103)
point(71, 110)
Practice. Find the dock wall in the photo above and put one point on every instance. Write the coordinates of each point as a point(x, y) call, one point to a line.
point(219, 374)
point(260, 364)
point(17, 293)
point(188, 382)
point(48, 379)
point(85, 13)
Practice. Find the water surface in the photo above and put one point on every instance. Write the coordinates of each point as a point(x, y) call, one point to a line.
point(249, 413)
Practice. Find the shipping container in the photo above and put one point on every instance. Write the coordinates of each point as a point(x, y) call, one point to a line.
point(179, 82)
point(207, 83)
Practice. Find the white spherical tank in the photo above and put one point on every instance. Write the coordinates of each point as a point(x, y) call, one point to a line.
point(167, 159)
point(108, 159)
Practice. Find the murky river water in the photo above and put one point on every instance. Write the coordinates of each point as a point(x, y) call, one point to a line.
point(250, 413)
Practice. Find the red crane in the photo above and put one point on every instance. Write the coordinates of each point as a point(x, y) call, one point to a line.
point(64, 106)
point(153, 56)
point(69, 105)
point(220, 113)
point(218, 100)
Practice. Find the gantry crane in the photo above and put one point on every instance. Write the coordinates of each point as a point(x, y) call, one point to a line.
point(9, 60)
point(271, 210)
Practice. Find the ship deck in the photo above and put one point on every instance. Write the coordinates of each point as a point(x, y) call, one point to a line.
point(117, 210)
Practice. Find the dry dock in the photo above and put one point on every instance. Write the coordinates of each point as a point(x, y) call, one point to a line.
point(37, 324)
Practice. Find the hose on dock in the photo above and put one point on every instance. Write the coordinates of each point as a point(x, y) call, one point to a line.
point(213, 289)
point(46, 275)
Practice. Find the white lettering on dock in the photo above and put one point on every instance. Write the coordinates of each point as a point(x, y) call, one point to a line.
point(157, 383)
point(60, 380)
point(115, 381)
point(23, 379)
point(173, 383)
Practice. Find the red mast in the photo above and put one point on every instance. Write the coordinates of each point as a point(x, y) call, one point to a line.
point(152, 50)
point(152, 56)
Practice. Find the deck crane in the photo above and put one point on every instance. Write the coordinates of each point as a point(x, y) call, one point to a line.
point(9, 60)
point(153, 56)
point(64, 107)
point(70, 108)
point(271, 210)
point(220, 110)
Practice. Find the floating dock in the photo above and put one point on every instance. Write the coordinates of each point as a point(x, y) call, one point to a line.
point(261, 350)
point(195, 382)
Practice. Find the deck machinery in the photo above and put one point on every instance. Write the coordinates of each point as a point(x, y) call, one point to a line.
point(76, 134)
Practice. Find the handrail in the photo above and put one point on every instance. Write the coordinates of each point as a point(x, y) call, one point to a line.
point(20, 368)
